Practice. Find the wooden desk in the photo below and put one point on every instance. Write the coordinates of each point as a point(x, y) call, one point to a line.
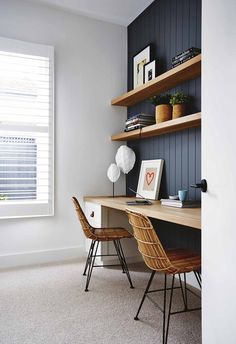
point(190, 217)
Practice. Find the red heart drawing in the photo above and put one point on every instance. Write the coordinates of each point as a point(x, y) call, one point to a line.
point(149, 177)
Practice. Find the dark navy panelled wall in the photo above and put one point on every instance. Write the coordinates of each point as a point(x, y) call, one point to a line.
point(170, 27)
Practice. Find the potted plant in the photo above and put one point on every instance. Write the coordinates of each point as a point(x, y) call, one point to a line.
point(179, 101)
point(163, 107)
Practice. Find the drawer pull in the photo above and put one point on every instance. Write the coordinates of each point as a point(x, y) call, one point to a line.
point(92, 214)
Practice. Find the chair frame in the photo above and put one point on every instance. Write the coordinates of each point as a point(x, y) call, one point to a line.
point(90, 233)
point(92, 255)
point(168, 269)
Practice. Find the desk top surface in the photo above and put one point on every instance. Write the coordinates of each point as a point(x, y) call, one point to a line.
point(190, 217)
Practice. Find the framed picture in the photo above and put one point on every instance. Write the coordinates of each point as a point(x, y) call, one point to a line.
point(150, 178)
point(139, 60)
point(149, 71)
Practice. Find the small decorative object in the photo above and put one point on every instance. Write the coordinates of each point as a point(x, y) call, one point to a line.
point(125, 158)
point(149, 71)
point(139, 60)
point(178, 101)
point(150, 178)
point(163, 107)
point(113, 173)
point(182, 195)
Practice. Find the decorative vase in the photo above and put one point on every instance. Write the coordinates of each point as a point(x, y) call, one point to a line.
point(163, 113)
point(179, 110)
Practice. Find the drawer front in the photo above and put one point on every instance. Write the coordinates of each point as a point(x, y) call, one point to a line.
point(93, 212)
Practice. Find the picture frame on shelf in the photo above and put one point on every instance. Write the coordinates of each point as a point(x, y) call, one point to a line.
point(150, 178)
point(150, 71)
point(139, 61)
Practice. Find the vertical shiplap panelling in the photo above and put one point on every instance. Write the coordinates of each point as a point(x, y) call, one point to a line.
point(192, 162)
point(171, 26)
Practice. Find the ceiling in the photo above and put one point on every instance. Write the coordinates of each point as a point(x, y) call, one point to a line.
point(121, 12)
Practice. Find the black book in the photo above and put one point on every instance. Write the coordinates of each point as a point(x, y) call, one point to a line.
point(182, 61)
point(140, 115)
point(135, 126)
point(140, 121)
point(188, 51)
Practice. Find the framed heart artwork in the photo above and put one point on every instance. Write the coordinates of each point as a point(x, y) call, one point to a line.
point(150, 179)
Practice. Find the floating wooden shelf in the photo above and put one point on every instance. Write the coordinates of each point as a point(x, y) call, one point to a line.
point(187, 71)
point(186, 122)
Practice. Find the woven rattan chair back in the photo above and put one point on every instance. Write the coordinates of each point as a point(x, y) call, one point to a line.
point(88, 230)
point(149, 244)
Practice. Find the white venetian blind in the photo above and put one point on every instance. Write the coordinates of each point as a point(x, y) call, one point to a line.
point(26, 129)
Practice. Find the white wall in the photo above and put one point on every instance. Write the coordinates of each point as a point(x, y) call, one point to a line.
point(90, 69)
point(219, 168)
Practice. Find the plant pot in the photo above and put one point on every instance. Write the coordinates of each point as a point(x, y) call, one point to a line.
point(163, 113)
point(179, 110)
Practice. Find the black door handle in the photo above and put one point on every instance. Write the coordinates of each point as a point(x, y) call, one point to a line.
point(202, 185)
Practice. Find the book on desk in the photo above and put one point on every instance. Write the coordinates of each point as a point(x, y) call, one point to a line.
point(180, 204)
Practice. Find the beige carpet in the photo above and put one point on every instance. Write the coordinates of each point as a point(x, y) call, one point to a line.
point(48, 305)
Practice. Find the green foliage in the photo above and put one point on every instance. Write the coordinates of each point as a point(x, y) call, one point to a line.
point(179, 98)
point(161, 99)
point(2, 197)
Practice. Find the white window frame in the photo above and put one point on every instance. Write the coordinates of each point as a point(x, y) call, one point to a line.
point(13, 209)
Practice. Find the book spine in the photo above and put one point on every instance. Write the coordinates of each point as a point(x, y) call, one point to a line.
point(183, 59)
point(188, 51)
point(140, 115)
point(133, 127)
point(139, 121)
point(180, 62)
point(172, 205)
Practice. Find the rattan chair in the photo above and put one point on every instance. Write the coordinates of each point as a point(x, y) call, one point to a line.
point(98, 235)
point(168, 261)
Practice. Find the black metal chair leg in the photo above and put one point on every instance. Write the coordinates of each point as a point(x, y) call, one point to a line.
point(182, 291)
point(91, 264)
point(185, 289)
point(88, 257)
point(145, 294)
point(198, 278)
point(120, 249)
point(164, 313)
point(119, 256)
point(169, 312)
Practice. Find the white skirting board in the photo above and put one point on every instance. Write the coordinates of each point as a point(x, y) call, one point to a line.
point(41, 257)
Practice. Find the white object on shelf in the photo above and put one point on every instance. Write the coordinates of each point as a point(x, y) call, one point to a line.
point(113, 173)
point(125, 158)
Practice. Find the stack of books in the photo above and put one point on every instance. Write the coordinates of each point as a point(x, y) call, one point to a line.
point(139, 121)
point(184, 56)
point(180, 204)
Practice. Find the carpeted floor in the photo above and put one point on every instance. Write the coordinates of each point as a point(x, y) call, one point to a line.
point(48, 305)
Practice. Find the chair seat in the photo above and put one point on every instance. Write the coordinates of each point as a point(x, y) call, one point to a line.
point(109, 234)
point(184, 260)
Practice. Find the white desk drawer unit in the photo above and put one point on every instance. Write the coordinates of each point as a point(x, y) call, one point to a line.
point(93, 212)
point(99, 216)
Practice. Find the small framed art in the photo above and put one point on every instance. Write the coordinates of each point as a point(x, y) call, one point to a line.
point(150, 178)
point(139, 60)
point(149, 71)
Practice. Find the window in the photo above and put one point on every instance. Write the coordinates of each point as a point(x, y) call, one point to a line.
point(26, 129)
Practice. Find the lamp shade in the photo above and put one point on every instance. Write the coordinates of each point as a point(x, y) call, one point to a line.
point(125, 159)
point(113, 173)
